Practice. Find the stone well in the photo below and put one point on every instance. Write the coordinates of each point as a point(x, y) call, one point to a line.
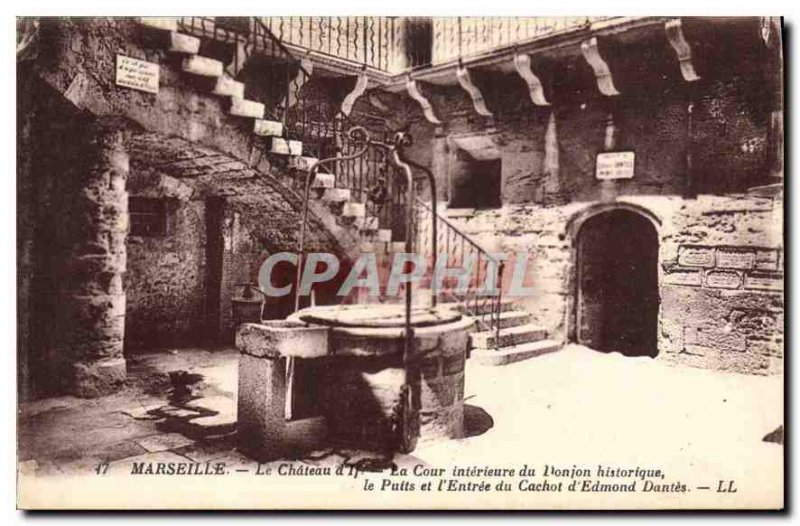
point(349, 381)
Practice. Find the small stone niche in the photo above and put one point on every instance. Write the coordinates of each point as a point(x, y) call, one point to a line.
point(475, 174)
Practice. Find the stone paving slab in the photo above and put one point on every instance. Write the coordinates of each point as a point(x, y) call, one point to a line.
point(178, 412)
point(213, 404)
point(119, 450)
point(143, 412)
point(220, 424)
point(155, 443)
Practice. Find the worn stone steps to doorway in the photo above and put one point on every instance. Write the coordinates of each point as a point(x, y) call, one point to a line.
point(507, 337)
point(481, 308)
point(512, 318)
point(514, 353)
point(519, 339)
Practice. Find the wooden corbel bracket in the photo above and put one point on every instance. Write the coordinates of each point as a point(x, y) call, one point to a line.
point(475, 94)
point(602, 72)
point(358, 90)
point(427, 108)
point(522, 62)
point(676, 39)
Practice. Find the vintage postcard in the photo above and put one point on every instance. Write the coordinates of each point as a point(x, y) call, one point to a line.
point(366, 262)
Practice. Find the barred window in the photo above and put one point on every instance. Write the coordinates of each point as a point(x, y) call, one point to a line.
point(148, 216)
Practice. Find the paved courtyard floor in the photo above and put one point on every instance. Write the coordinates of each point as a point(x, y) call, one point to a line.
point(568, 411)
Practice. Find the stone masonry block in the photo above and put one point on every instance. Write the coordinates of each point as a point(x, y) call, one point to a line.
point(228, 87)
point(203, 66)
point(261, 425)
point(98, 378)
point(276, 338)
point(295, 147)
point(279, 146)
point(735, 258)
point(261, 402)
point(723, 279)
point(336, 194)
point(247, 108)
point(267, 128)
point(164, 23)
point(696, 256)
point(354, 210)
point(180, 43)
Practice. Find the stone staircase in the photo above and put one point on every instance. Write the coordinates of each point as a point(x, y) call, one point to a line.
point(519, 339)
point(340, 201)
point(505, 332)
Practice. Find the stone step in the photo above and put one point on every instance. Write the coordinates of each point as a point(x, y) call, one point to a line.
point(374, 247)
point(284, 147)
point(509, 336)
point(279, 146)
point(323, 180)
point(514, 353)
point(371, 224)
point(203, 66)
point(180, 43)
point(382, 235)
point(165, 24)
point(397, 246)
point(483, 307)
point(459, 212)
point(267, 128)
point(512, 318)
point(305, 164)
point(246, 108)
point(335, 195)
point(295, 147)
point(227, 87)
point(354, 210)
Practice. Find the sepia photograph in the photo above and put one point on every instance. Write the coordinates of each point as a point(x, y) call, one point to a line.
point(400, 262)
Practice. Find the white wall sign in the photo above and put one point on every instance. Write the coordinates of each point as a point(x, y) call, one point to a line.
point(614, 165)
point(137, 74)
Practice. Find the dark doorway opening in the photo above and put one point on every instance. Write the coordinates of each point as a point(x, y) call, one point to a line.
point(617, 296)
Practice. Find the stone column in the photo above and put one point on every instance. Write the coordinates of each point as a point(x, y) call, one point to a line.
point(93, 298)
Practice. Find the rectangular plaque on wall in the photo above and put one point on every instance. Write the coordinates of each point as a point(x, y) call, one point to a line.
point(137, 74)
point(614, 165)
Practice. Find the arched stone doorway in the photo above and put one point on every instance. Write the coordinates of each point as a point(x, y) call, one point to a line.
point(617, 283)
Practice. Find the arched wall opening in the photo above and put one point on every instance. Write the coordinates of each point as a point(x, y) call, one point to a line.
point(616, 300)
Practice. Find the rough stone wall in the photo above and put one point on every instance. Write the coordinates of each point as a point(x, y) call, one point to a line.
point(168, 276)
point(78, 58)
point(165, 281)
point(722, 284)
point(720, 276)
point(72, 85)
point(709, 138)
point(655, 125)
